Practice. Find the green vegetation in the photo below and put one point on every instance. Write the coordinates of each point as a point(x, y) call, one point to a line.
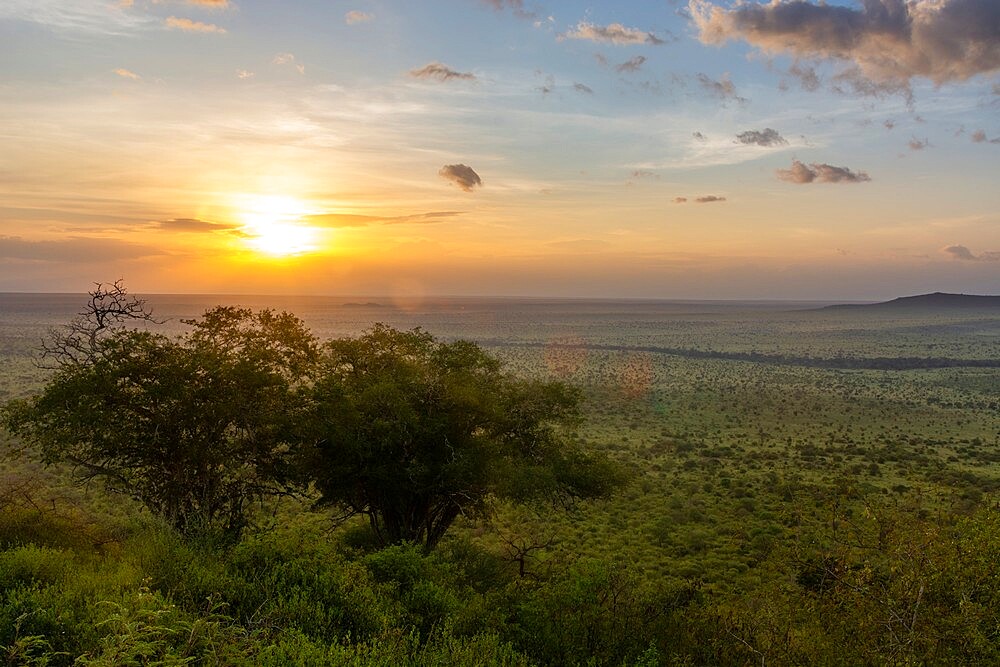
point(769, 513)
point(196, 429)
point(413, 433)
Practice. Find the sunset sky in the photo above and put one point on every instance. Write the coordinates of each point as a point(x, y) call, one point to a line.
point(496, 147)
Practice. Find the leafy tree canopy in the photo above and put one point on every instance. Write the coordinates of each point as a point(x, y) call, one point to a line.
point(196, 428)
point(413, 432)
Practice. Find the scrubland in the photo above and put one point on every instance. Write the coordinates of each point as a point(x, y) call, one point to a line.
point(776, 511)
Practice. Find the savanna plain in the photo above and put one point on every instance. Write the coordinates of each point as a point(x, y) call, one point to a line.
point(798, 485)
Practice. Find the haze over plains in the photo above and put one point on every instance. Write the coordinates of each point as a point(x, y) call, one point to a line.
point(797, 150)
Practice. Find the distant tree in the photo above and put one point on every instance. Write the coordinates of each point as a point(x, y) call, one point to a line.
point(195, 428)
point(412, 433)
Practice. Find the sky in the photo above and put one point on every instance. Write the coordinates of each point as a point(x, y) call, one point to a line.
point(655, 149)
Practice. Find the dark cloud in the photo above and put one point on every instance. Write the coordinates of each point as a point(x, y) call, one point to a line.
point(889, 124)
point(722, 88)
point(193, 225)
point(854, 81)
point(961, 252)
point(581, 88)
point(613, 33)
point(917, 145)
point(644, 173)
point(888, 40)
point(820, 173)
point(549, 85)
point(461, 175)
point(631, 65)
point(680, 200)
point(355, 220)
point(74, 250)
point(699, 136)
point(516, 6)
point(708, 199)
point(766, 137)
point(441, 72)
point(806, 76)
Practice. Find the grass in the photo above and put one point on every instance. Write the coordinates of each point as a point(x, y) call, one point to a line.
point(737, 468)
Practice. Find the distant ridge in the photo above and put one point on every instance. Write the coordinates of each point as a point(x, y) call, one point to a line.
point(934, 301)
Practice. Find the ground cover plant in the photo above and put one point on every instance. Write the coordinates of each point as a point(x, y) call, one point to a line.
point(768, 513)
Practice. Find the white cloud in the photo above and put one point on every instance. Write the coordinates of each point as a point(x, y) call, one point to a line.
point(613, 33)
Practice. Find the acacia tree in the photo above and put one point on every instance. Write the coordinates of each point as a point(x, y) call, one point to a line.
point(109, 310)
point(412, 433)
point(195, 428)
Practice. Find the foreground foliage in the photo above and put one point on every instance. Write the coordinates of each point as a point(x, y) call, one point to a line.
point(407, 430)
point(775, 514)
point(925, 591)
point(195, 428)
point(413, 433)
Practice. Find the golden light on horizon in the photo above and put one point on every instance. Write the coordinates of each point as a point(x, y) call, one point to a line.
point(273, 226)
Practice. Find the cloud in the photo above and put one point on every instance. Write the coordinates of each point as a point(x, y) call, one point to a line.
point(354, 16)
point(807, 76)
point(979, 137)
point(441, 72)
point(93, 16)
point(820, 173)
point(461, 175)
point(644, 173)
point(356, 220)
point(857, 82)
point(193, 225)
point(288, 59)
point(75, 250)
point(127, 74)
point(962, 253)
point(579, 245)
point(581, 88)
point(244, 74)
point(699, 136)
point(766, 137)
point(680, 200)
point(517, 6)
point(708, 199)
point(613, 33)
point(917, 145)
point(188, 25)
point(211, 4)
point(888, 40)
point(723, 88)
point(631, 65)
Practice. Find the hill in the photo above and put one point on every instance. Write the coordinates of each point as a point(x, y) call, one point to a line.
point(934, 301)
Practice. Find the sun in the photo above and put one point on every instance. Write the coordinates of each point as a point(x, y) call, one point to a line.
point(273, 226)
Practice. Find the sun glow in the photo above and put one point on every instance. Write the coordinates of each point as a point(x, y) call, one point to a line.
point(273, 226)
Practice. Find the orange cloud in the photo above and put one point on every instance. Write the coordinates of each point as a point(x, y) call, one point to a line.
point(193, 26)
point(127, 74)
